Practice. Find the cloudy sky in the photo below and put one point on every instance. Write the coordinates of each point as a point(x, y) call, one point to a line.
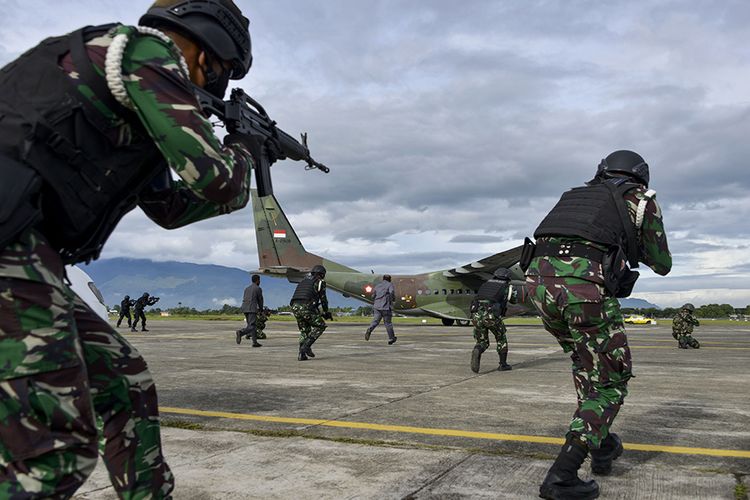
point(451, 128)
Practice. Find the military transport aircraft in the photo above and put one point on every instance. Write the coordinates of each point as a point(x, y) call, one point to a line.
point(445, 294)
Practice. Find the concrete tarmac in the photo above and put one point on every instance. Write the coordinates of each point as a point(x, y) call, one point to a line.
point(368, 420)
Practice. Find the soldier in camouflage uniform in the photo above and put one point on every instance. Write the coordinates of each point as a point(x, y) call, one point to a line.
point(682, 327)
point(487, 311)
point(577, 270)
point(309, 294)
point(260, 323)
point(80, 146)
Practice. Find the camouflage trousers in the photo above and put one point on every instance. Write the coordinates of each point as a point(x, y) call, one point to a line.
point(309, 321)
point(260, 325)
point(62, 368)
point(588, 325)
point(485, 321)
point(685, 340)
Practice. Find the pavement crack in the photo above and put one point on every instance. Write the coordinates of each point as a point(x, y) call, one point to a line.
point(411, 496)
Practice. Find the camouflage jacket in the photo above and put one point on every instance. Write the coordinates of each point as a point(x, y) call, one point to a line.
point(213, 179)
point(684, 322)
point(652, 239)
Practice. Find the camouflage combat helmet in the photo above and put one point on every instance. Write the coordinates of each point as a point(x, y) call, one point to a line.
point(217, 25)
point(689, 307)
point(503, 274)
point(625, 162)
point(387, 277)
point(318, 270)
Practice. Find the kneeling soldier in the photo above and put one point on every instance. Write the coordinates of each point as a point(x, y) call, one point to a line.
point(682, 327)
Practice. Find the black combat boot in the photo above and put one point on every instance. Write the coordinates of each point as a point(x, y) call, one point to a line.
point(562, 481)
point(254, 338)
point(476, 357)
point(308, 349)
point(302, 356)
point(504, 366)
point(238, 336)
point(368, 332)
point(601, 459)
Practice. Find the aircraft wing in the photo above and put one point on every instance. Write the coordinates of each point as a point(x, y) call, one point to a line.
point(484, 268)
point(445, 310)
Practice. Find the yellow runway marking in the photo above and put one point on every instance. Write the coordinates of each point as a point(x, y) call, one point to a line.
point(680, 450)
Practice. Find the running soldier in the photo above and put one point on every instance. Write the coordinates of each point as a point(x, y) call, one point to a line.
point(574, 274)
point(682, 327)
point(93, 123)
point(309, 294)
point(260, 323)
point(487, 311)
point(125, 306)
point(141, 304)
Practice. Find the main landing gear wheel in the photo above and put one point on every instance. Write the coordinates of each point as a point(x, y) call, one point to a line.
point(448, 322)
point(463, 322)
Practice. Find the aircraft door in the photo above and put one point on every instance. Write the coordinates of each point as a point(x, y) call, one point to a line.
point(406, 292)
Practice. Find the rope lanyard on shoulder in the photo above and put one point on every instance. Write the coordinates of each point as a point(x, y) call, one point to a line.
point(641, 211)
point(113, 62)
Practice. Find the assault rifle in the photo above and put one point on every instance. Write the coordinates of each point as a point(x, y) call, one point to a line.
point(243, 115)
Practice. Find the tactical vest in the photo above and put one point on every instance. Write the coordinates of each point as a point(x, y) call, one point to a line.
point(597, 213)
point(46, 123)
point(496, 292)
point(305, 292)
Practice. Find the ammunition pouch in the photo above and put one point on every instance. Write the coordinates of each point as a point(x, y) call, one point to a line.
point(619, 280)
point(527, 254)
point(20, 193)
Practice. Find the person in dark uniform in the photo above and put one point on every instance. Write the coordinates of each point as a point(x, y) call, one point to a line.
point(141, 303)
point(125, 306)
point(309, 297)
point(252, 304)
point(487, 311)
point(578, 268)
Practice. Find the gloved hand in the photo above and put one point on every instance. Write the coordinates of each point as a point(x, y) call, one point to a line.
point(256, 145)
point(327, 315)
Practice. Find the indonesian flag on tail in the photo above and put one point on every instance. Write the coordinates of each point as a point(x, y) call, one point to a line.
point(279, 233)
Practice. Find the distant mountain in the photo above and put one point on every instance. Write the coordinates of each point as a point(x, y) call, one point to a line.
point(200, 286)
point(633, 303)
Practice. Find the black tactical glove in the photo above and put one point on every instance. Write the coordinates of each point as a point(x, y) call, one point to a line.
point(327, 315)
point(256, 145)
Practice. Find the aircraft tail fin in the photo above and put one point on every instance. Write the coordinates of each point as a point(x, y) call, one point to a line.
point(280, 250)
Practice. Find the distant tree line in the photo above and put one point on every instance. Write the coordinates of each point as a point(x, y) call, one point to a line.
point(704, 311)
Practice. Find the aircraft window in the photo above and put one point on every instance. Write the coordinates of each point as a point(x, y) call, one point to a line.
point(445, 292)
point(437, 292)
point(460, 291)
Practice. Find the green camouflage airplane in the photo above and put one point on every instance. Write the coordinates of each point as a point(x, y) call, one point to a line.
point(445, 294)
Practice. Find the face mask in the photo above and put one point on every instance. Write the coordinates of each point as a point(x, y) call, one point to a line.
point(215, 84)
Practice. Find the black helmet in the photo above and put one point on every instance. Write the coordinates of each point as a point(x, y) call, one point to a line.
point(217, 25)
point(145, 294)
point(387, 277)
point(503, 274)
point(127, 297)
point(318, 270)
point(625, 162)
point(690, 307)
